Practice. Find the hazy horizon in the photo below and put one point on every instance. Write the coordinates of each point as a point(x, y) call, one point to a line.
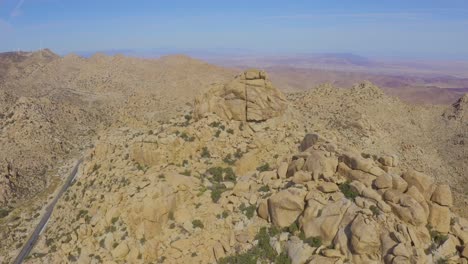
point(403, 29)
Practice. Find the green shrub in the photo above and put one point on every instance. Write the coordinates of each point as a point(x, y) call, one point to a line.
point(220, 174)
point(205, 153)
point(229, 160)
point(264, 188)
point(264, 167)
point(4, 212)
point(216, 192)
point(248, 211)
point(230, 131)
point(262, 253)
point(238, 154)
point(312, 241)
point(375, 210)
point(348, 192)
point(214, 124)
point(186, 137)
point(293, 228)
point(197, 223)
point(217, 133)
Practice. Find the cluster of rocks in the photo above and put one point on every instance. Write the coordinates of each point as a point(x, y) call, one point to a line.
point(249, 97)
point(362, 209)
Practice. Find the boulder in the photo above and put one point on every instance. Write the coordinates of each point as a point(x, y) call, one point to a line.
point(421, 181)
point(262, 210)
point(120, 251)
point(365, 240)
point(383, 182)
point(357, 162)
point(301, 177)
point(439, 218)
point(298, 252)
point(321, 164)
point(442, 195)
point(249, 97)
point(285, 206)
point(282, 170)
point(308, 141)
point(410, 211)
point(327, 187)
point(326, 222)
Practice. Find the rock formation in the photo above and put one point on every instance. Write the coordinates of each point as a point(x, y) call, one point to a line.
point(249, 97)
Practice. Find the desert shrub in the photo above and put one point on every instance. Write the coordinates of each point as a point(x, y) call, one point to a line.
point(348, 192)
point(230, 131)
point(248, 211)
point(229, 160)
point(262, 252)
point(205, 153)
point(215, 124)
point(238, 154)
point(264, 167)
point(186, 137)
point(217, 133)
point(264, 188)
point(293, 228)
point(375, 210)
point(216, 191)
point(4, 212)
point(220, 174)
point(197, 223)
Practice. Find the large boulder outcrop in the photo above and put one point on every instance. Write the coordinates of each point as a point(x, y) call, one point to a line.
point(249, 97)
point(285, 206)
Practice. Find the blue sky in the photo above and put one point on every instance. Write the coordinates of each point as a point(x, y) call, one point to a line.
point(411, 28)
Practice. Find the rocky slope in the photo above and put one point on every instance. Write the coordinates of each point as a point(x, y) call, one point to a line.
point(239, 173)
point(301, 187)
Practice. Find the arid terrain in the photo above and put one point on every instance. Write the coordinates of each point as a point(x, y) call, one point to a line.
point(189, 162)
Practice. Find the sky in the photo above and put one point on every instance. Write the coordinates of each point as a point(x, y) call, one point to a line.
point(404, 28)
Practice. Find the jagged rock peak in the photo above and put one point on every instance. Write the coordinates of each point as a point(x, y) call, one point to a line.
point(367, 88)
point(250, 96)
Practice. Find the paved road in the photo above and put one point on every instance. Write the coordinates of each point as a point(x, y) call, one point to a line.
point(42, 224)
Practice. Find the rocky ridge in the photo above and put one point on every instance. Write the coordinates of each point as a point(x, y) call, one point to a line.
point(214, 190)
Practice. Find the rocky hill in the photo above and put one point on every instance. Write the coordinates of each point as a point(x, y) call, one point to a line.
point(238, 174)
point(325, 180)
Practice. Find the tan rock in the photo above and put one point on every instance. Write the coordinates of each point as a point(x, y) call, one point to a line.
point(421, 181)
point(218, 251)
point(282, 170)
point(297, 251)
point(365, 239)
point(262, 210)
point(120, 251)
point(383, 181)
point(308, 141)
point(327, 187)
point(357, 162)
point(442, 195)
point(321, 164)
point(410, 211)
point(399, 183)
point(439, 218)
point(464, 252)
point(285, 206)
point(302, 177)
point(249, 97)
point(317, 259)
point(324, 222)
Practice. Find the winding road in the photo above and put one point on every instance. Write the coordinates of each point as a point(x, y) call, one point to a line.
point(29, 245)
